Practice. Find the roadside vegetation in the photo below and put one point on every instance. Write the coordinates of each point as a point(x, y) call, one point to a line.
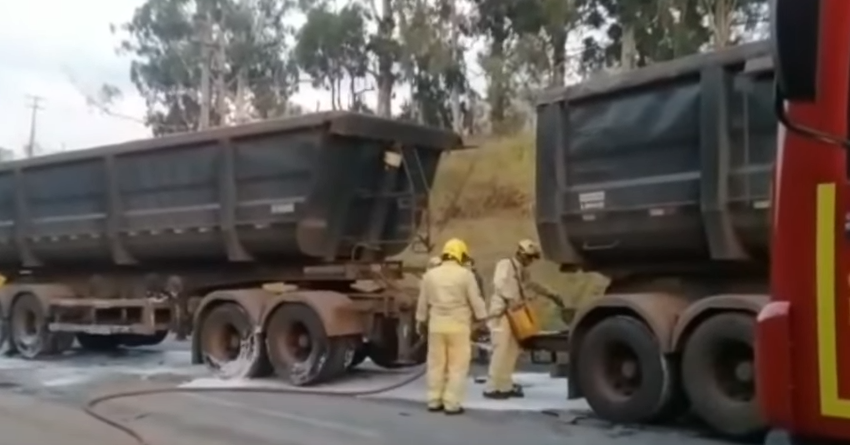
point(485, 196)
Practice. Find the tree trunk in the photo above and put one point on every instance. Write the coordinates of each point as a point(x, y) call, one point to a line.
point(352, 93)
point(722, 22)
point(385, 61)
point(457, 54)
point(498, 89)
point(206, 67)
point(628, 50)
point(559, 57)
point(241, 114)
point(220, 83)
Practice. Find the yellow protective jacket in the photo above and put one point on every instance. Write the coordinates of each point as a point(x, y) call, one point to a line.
point(509, 281)
point(449, 299)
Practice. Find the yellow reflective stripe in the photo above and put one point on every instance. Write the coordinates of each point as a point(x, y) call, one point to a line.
point(831, 404)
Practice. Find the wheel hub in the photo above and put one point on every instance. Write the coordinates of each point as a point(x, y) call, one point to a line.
point(621, 370)
point(745, 371)
point(26, 328)
point(298, 341)
point(303, 342)
point(734, 370)
point(628, 369)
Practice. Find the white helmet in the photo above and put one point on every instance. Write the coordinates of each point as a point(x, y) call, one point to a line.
point(528, 248)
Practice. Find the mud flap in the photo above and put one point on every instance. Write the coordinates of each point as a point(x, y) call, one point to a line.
point(774, 387)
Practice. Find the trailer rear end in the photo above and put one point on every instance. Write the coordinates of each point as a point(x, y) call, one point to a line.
point(269, 242)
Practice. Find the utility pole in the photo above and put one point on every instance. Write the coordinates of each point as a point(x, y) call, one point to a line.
point(34, 106)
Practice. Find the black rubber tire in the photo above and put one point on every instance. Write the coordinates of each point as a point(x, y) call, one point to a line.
point(134, 340)
point(327, 356)
point(654, 392)
point(5, 343)
point(231, 318)
point(727, 416)
point(383, 349)
point(361, 353)
point(62, 341)
point(40, 343)
point(98, 343)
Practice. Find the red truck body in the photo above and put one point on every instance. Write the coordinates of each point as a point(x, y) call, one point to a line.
point(803, 334)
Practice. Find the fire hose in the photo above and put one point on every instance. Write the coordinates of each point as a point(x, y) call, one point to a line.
point(91, 405)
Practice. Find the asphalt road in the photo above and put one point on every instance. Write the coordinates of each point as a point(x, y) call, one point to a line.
point(36, 413)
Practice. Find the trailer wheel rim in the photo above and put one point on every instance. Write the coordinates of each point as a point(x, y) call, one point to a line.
point(229, 347)
point(620, 374)
point(733, 369)
point(224, 343)
point(27, 327)
point(298, 342)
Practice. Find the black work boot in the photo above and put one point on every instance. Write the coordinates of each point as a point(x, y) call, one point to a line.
point(496, 395)
point(516, 392)
point(454, 411)
point(435, 407)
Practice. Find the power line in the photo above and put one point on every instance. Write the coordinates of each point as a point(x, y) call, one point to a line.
point(34, 106)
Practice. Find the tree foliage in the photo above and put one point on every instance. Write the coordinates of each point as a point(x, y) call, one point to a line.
point(420, 49)
point(332, 48)
point(172, 41)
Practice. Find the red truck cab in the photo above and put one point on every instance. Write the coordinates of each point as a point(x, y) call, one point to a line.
point(803, 334)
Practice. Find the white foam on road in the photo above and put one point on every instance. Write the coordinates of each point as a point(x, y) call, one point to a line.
point(542, 392)
point(78, 368)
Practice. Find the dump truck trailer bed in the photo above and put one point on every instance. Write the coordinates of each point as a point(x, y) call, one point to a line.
point(220, 233)
point(660, 178)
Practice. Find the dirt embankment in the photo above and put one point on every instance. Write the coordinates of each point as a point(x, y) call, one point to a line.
point(485, 196)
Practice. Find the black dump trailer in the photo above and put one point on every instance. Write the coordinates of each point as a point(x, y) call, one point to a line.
point(229, 231)
point(660, 178)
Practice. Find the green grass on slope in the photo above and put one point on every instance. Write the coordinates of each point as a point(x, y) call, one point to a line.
point(485, 196)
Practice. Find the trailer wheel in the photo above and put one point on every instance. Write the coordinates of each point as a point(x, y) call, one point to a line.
point(300, 350)
point(622, 373)
point(29, 332)
point(719, 374)
point(5, 346)
point(383, 349)
point(229, 346)
point(62, 341)
point(97, 342)
point(361, 353)
point(134, 340)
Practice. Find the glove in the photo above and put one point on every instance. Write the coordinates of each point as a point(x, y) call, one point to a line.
point(556, 300)
point(480, 330)
point(421, 328)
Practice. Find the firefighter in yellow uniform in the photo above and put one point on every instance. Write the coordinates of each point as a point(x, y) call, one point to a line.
point(510, 285)
point(449, 300)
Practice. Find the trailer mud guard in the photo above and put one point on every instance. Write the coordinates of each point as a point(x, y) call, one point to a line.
point(337, 312)
point(658, 311)
point(44, 292)
point(701, 309)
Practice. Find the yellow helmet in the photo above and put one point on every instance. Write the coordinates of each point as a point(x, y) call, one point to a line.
point(456, 249)
point(528, 248)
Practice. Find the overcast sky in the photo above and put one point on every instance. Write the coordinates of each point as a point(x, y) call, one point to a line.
point(42, 43)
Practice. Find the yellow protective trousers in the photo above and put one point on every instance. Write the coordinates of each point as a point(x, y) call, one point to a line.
point(506, 351)
point(449, 355)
